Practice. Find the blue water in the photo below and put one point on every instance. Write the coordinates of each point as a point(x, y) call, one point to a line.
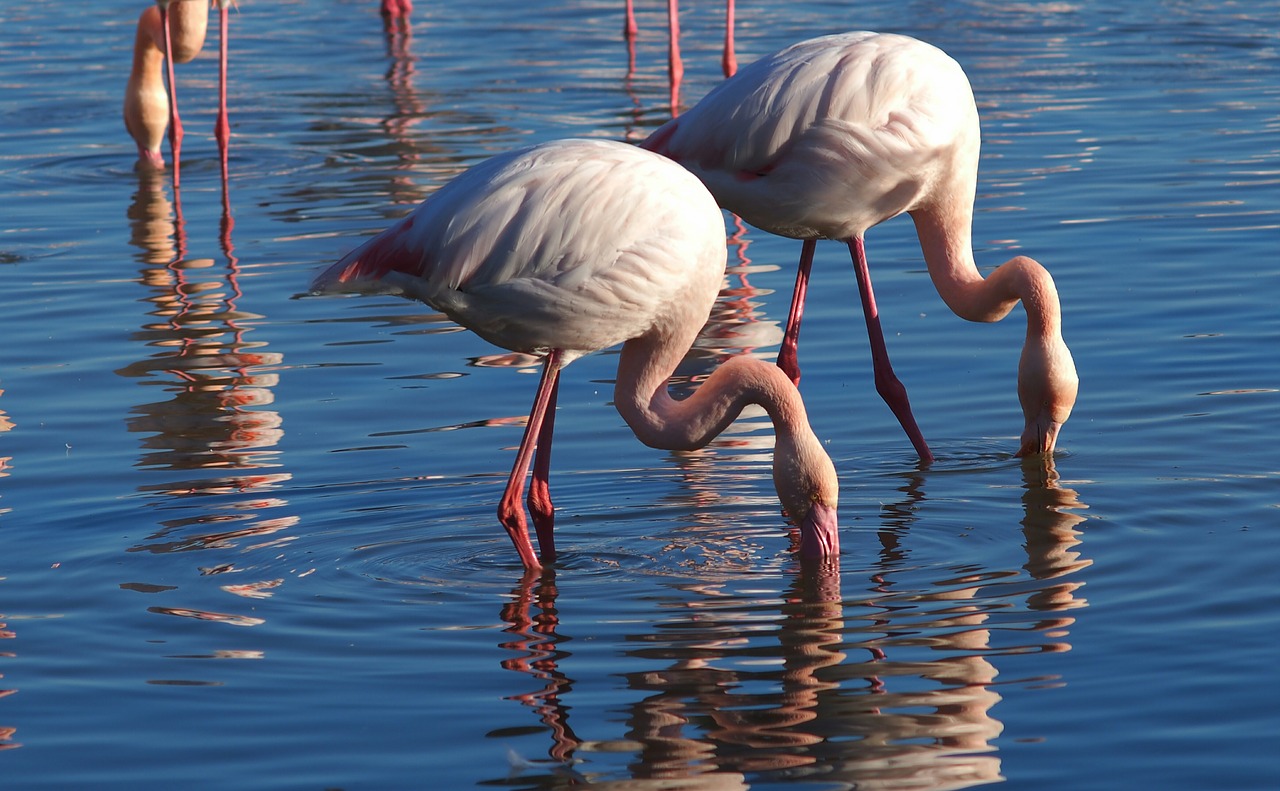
point(248, 541)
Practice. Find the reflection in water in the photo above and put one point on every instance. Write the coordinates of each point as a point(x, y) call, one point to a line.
point(416, 144)
point(218, 386)
point(5, 425)
point(6, 732)
point(891, 690)
point(214, 416)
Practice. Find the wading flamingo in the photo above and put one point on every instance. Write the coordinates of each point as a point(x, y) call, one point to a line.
point(831, 136)
point(577, 245)
point(173, 31)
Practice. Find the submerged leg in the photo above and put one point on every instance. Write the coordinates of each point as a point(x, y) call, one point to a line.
point(787, 355)
point(887, 384)
point(510, 509)
point(540, 506)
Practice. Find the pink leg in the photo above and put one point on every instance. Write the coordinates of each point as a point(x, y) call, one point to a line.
point(887, 385)
point(540, 507)
point(510, 509)
point(222, 128)
point(787, 357)
point(397, 8)
point(175, 123)
point(675, 66)
point(629, 27)
point(729, 62)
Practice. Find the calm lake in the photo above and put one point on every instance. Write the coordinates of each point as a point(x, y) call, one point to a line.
point(248, 540)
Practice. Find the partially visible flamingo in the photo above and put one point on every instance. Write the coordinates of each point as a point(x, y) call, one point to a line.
point(831, 136)
point(173, 31)
point(577, 245)
point(675, 66)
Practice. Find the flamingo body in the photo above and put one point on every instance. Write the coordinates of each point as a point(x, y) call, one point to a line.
point(830, 136)
point(833, 135)
point(488, 250)
point(573, 246)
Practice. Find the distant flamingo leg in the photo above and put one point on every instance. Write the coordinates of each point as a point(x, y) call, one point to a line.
point(222, 128)
point(787, 357)
point(175, 122)
point(675, 66)
point(729, 62)
point(510, 509)
point(540, 506)
point(887, 384)
point(629, 27)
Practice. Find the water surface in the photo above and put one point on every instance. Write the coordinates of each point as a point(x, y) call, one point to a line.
point(248, 540)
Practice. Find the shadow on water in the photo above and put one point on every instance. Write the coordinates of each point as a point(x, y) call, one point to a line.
point(894, 688)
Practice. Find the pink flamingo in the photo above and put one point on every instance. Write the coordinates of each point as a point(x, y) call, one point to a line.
point(173, 31)
point(577, 245)
point(834, 135)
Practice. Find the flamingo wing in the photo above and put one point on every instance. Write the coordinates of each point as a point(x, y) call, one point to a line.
point(830, 136)
point(547, 247)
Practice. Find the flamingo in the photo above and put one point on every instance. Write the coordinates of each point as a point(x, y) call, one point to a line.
point(573, 246)
point(173, 31)
point(834, 135)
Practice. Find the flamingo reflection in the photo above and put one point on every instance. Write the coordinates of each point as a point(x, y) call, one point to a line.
point(6, 424)
point(892, 688)
point(6, 732)
point(219, 381)
point(215, 424)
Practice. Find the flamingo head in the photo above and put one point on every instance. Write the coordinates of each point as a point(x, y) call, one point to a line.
point(149, 159)
point(1047, 388)
point(809, 490)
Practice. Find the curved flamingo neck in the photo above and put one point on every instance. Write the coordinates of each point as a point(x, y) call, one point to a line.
point(1047, 380)
point(660, 421)
point(946, 241)
point(803, 475)
point(146, 104)
point(148, 48)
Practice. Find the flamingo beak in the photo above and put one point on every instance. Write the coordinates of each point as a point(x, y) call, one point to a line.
point(820, 532)
point(1040, 436)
